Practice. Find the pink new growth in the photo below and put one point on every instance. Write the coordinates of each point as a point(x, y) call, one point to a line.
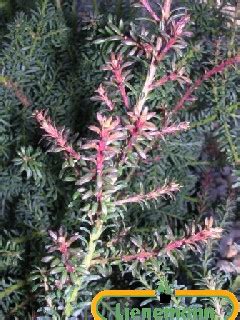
point(141, 256)
point(140, 125)
point(180, 25)
point(173, 76)
point(62, 244)
point(166, 9)
point(167, 190)
point(109, 132)
point(69, 267)
point(116, 66)
point(182, 126)
point(147, 6)
point(178, 32)
point(104, 97)
point(58, 136)
point(221, 67)
point(202, 236)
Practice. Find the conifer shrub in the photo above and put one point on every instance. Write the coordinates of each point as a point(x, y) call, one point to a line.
point(130, 218)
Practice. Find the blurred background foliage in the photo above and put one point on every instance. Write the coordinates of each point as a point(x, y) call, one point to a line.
point(48, 49)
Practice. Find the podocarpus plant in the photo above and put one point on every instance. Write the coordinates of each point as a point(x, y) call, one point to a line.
point(126, 136)
point(126, 132)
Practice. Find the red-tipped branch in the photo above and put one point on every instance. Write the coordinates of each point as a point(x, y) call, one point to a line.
point(57, 136)
point(167, 190)
point(217, 69)
point(142, 256)
point(166, 9)
point(173, 76)
point(109, 133)
point(173, 129)
point(178, 32)
point(117, 67)
point(201, 236)
point(103, 97)
point(146, 5)
point(150, 84)
point(63, 245)
point(148, 48)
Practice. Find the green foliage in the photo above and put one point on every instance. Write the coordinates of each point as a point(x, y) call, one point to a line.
point(216, 111)
point(48, 64)
point(38, 60)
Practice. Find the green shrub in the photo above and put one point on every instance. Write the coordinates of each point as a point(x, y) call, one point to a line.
point(114, 193)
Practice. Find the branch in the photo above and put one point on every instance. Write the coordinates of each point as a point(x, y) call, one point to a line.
point(173, 129)
point(217, 69)
point(103, 97)
point(166, 190)
point(117, 67)
point(147, 6)
point(167, 9)
point(201, 236)
point(23, 99)
point(58, 136)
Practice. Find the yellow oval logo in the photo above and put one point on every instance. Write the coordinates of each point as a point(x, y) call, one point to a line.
point(152, 293)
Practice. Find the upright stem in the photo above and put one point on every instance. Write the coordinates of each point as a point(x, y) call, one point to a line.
point(86, 264)
point(146, 88)
point(99, 225)
point(94, 237)
point(140, 103)
point(96, 231)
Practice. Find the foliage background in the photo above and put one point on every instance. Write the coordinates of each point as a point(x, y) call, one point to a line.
point(55, 63)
